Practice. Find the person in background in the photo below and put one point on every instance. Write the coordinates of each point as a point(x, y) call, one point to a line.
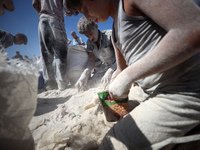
point(26, 59)
point(7, 39)
point(77, 40)
point(18, 56)
point(53, 38)
point(6, 4)
point(99, 45)
point(156, 46)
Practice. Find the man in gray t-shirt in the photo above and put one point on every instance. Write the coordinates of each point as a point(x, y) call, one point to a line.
point(99, 45)
point(53, 42)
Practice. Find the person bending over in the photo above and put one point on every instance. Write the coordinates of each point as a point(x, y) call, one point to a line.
point(156, 46)
point(99, 46)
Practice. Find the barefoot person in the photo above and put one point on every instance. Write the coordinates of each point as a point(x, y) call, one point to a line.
point(157, 47)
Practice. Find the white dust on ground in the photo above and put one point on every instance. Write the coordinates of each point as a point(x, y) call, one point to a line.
point(60, 121)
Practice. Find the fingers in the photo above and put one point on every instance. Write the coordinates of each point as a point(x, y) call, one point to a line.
point(118, 91)
point(105, 80)
point(6, 4)
point(81, 85)
point(117, 96)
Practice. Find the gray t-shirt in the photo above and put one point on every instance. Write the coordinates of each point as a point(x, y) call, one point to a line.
point(105, 52)
point(135, 36)
point(52, 8)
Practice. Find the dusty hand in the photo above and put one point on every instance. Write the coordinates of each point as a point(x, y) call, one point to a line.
point(120, 86)
point(107, 76)
point(81, 84)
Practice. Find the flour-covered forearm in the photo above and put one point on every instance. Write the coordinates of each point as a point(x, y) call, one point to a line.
point(180, 43)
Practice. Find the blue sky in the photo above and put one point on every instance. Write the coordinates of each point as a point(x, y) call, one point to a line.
point(24, 19)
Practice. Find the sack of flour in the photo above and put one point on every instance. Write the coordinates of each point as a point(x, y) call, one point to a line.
point(18, 97)
point(77, 59)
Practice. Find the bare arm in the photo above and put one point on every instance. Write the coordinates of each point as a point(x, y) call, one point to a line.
point(36, 5)
point(69, 41)
point(90, 65)
point(91, 61)
point(120, 61)
point(181, 20)
point(81, 84)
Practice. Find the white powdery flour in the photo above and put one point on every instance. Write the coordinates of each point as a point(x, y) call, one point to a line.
point(61, 122)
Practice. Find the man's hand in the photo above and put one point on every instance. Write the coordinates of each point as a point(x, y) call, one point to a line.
point(81, 84)
point(107, 76)
point(6, 4)
point(119, 87)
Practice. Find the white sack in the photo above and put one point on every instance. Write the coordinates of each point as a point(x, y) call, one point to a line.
point(77, 59)
point(18, 97)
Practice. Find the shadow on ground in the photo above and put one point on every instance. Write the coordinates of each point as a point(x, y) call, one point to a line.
point(46, 105)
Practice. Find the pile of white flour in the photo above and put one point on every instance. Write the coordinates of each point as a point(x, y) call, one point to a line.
point(60, 121)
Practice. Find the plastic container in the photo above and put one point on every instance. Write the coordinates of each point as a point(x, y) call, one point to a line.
point(113, 109)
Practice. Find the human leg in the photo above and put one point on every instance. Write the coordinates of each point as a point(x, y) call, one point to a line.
point(47, 54)
point(156, 123)
point(60, 49)
point(194, 145)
